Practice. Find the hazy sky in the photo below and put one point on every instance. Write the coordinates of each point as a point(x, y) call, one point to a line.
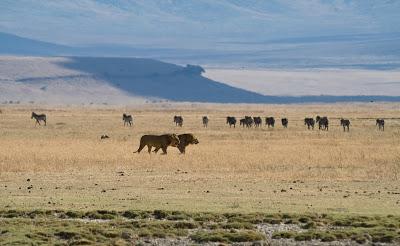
point(193, 23)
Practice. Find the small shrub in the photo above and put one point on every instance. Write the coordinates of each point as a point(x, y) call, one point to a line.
point(144, 233)
point(359, 239)
point(159, 234)
point(283, 234)
point(309, 225)
point(303, 237)
point(66, 235)
point(238, 225)
point(73, 214)
point(304, 219)
point(226, 236)
point(160, 214)
point(185, 225)
point(81, 242)
point(130, 214)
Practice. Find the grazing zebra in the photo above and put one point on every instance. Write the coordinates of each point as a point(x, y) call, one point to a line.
point(249, 121)
point(38, 118)
point(285, 122)
point(242, 122)
point(231, 121)
point(323, 123)
point(127, 119)
point(257, 121)
point(345, 123)
point(178, 120)
point(381, 124)
point(270, 121)
point(205, 121)
point(310, 122)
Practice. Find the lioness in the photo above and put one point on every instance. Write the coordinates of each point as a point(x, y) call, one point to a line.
point(159, 142)
point(185, 140)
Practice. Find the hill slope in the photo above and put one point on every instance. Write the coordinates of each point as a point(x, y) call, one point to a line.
point(75, 80)
point(15, 45)
point(110, 80)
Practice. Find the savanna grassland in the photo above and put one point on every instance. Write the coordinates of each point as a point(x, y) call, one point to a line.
point(298, 181)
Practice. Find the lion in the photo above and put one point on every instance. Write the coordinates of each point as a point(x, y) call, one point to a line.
point(159, 142)
point(185, 140)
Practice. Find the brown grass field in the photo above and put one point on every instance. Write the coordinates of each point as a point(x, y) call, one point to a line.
point(290, 170)
point(60, 184)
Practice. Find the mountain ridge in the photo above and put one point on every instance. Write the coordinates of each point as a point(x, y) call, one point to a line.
point(77, 80)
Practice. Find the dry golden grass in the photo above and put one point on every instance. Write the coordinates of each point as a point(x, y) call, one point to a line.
point(242, 169)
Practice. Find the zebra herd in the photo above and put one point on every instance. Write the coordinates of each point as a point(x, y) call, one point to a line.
point(323, 122)
point(247, 121)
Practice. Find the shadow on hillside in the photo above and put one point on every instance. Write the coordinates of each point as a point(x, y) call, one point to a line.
point(156, 79)
point(151, 78)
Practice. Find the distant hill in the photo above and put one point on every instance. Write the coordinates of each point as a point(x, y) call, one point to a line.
point(110, 80)
point(76, 80)
point(374, 51)
point(15, 45)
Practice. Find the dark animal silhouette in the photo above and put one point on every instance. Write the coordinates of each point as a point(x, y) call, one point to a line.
point(205, 121)
point(323, 123)
point(231, 121)
point(310, 122)
point(345, 123)
point(242, 122)
point(285, 122)
point(270, 121)
point(381, 124)
point(257, 121)
point(39, 117)
point(127, 119)
point(249, 121)
point(178, 120)
point(104, 137)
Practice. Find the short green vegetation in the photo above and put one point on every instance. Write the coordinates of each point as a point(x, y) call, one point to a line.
point(124, 227)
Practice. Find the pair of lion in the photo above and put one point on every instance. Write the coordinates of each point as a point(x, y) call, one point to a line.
point(163, 141)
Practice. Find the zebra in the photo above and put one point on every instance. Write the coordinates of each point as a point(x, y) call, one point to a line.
point(249, 121)
point(381, 124)
point(242, 122)
point(310, 122)
point(178, 120)
point(284, 122)
point(38, 118)
point(205, 121)
point(257, 121)
point(345, 123)
point(127, 119)
point(270, 121)
point(231, 121)
point(323, 123)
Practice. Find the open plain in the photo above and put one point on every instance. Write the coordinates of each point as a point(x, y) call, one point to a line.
point(65, 166)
